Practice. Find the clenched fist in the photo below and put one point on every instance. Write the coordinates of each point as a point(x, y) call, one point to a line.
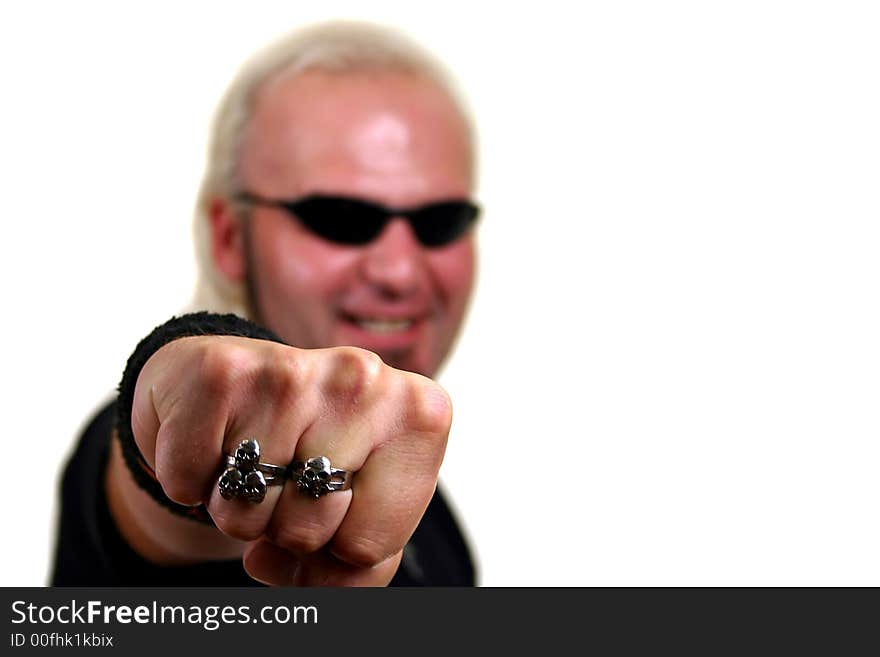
point(197, 398)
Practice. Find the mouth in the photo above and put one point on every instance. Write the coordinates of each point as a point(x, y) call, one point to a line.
point(382, 331)
point(381, 325)
point(400, 341)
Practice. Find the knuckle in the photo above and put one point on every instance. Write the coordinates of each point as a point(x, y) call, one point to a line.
point(300, 538)
point(235, 522)
point(354, 373)
point(361, 551)
point(222, 366)
point(278, 379)
point(430, 408)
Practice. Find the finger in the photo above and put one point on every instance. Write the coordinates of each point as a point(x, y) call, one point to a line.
point(276, 425)
point(351, 381)
point(184, 400)
point(393, 488)
point(301, 524)
point(232, 389)
point(179, 429)
point(270, 564)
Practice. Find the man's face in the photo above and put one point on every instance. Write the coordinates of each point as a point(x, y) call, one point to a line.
point(390, 138)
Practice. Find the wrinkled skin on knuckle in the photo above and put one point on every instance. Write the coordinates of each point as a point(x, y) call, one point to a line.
point(429, 408)
point(354, 375)
point(301, 538)
point(221, 367)
point(235, 521)
point(280, 379)
point(362, 550)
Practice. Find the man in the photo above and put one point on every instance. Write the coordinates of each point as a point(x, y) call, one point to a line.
point(336, 213)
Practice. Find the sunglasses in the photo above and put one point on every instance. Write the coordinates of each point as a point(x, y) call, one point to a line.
point(353, 221)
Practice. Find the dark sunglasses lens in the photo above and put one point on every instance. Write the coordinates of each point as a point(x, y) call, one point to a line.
point(443, 223)
point(340, 220)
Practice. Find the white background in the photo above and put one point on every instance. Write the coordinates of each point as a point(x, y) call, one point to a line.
point(670, 373)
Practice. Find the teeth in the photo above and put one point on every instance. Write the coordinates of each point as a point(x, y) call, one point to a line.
point(384, 325)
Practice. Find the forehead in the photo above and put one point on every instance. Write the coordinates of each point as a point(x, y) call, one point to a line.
point(393, 136)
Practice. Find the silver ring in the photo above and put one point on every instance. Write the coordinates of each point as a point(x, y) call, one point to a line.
point(315, 477)
point(245, 477)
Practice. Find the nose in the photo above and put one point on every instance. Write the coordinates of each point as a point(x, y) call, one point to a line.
point(395, 261)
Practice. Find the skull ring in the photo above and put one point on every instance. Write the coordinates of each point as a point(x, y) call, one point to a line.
point(245, 477)
point(315, 477)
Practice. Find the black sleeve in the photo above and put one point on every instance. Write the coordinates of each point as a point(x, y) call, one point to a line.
point(91, 552)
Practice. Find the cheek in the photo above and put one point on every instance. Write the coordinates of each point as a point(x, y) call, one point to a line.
point(305, 268)
point(453, 269)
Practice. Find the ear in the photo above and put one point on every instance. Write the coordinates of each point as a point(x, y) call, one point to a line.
point(227, 239)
